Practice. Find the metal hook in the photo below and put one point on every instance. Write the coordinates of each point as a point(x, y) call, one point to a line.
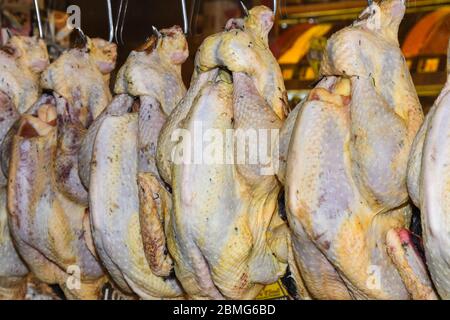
point(82, 40)
point(195, 7)
point(244, 8)
point(83, 36)
point(50, 25)
point(8, 32)
point(38, 15)
point(156, 32)
point(121, 21)
point(111, 21)
point(185, 17)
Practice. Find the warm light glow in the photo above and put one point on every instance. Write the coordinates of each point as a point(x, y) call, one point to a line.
point(301, 46)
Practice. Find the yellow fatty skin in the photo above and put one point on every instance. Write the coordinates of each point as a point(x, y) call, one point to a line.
point(153, 214)
point(89, 86)
point(13, 288)
point(232, 276)
point(134, 241)
point(351, 251)
point(234, 48)
point(384, 91)
point(60, 236)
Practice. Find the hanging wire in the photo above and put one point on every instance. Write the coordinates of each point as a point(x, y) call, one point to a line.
point(194, 12)
point(38, 15)
point(111, 21)
point(50, 25)
point(156, 32)
point(283, 6)
point(244, 8)
point(81, 43)
point(121, 21)
point(185, 17)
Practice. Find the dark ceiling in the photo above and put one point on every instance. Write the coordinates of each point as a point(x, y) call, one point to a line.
point(140, 17)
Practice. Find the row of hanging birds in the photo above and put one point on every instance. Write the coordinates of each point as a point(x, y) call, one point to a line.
point(92, 191)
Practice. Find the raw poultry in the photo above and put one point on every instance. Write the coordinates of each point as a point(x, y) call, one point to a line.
point(222, 226)
point(428, 180)
point(170, 193)
point(241, 52)
point(22, 59)
point(48, 214)
point(346, 172)
point(88, 69)
point(129, 202)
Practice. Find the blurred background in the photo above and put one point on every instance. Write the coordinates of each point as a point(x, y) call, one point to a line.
point(297, 40)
